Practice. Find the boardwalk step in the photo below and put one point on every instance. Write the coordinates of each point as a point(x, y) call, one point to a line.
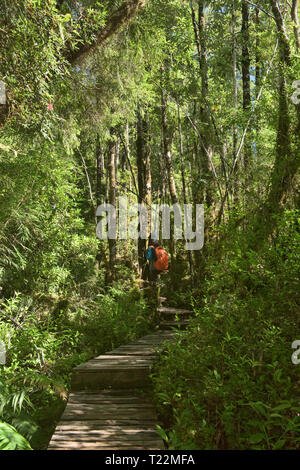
point(158, 338)
point(87, 422)
point(173, 311)
point(127, 366)
point(110, 370)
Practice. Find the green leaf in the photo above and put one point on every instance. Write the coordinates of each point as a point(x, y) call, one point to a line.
point(283, 406)
point(10, 439)
point(65, 18)
point(256, 438)
point(279, 444)
point(259, 407)
point(162, 433)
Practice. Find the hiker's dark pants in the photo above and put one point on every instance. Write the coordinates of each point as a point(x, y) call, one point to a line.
point(150, 274)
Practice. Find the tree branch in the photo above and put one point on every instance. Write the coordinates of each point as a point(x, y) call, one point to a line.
point(261, 9)
point(115, 22)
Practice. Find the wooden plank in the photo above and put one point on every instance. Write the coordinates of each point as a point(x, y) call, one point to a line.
point(111, 366)
point(113, 392)
point(85, 397)
point(159, 339)
point(96, 380)
point(122, 359)
point(174, 311)
point(150, 336)
point(117, 444)
point(110, 406)
point(95, 427)
point(135, 350)
point(87, 412)
point(98, 436)
point(100, 423)
point(110, 403)
point(120, 409)
point(115, 362)
point(67, 445)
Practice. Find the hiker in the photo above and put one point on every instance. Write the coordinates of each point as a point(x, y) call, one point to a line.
point(157, 258)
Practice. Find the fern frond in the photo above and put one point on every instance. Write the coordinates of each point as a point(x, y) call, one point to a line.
point(25, 425)
point(42, 382)
point(10, 439)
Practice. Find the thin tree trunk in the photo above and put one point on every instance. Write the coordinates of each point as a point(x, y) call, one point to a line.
point(235, 103)
point(257, 88)
point(246, 76)
point(257, 54)
point(93, 205)
point(148, 179)
point(99, 173)
point(191, 264)
point(112, 201)
point(167, 141)
point(117, 159)
point(142, 175)
point(206, 147)
point(294, 14)
point(100, 195)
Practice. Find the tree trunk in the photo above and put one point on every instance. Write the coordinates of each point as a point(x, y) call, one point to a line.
point(113, 201)
point(246, 77)
point(294, 14)
point(141, 154)
point(205, 128)
point(117, 158)
point(167, 141)
point(235, 104)
point(286, 162)
point(100, 195)
point(257, 54)
point(148, 180)
point(167, 135)
point(191, 264)
point(257, 88)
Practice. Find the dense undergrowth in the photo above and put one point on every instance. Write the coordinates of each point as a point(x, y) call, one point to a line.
point(230, 382)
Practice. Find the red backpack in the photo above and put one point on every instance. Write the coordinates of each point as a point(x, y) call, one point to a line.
point(162, 262)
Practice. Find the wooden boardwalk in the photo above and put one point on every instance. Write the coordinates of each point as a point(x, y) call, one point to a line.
point(109, 406)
